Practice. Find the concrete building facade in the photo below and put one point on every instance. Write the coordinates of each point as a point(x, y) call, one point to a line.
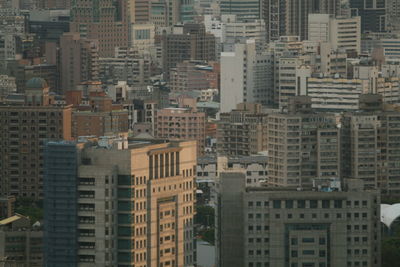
point(324, 225)
point(242, 131)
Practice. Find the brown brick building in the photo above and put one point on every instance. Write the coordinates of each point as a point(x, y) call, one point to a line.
point(189, 43)
point(23, 132)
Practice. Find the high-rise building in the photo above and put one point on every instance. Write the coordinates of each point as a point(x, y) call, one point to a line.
point(372, 13)
point(369, 145)
point(182, 123)
point(302, 145)
point(246, 76)
point(286, 17)
point(78, 60)
point(24, 129)
point(393, 15)
point(133, 203)
point(345, 33)
point(292, 76)
point(242, 132)
point(327, 224)
point(129, 65)
point(341, 32)
point(243, 9)
point(105, 21)
point(187, 42)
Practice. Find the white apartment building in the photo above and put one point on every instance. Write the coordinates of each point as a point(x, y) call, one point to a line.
point(334, 94)
point(341, 32)
point(292, 75)
point(230, 31)
point(246, 76)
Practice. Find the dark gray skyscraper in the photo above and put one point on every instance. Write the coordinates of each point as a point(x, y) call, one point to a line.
point(290, 17)
point(372, 12)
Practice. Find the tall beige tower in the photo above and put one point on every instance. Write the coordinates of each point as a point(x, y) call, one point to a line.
point(134, 202)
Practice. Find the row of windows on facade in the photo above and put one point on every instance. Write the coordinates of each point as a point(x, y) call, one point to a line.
point(315, 216)
point(289, 204)
point(307, 264)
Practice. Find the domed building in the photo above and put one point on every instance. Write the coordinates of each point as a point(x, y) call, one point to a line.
point(36, 83)
point(37, 92)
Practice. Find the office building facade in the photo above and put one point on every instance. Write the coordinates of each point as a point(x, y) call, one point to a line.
point(324, 225)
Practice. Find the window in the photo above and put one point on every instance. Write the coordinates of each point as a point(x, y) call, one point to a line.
point(277, 204)
point(293, 241)
point(313, 204)
point(308, 240)
point(322, 240)
point(250, 204)
point(325, 204)
point(308, 252)
point(301, 204)
point(250, 216)
point(289, 204)
point(294, 253)
point(258, 204)
point(338, 204)
point(322, 253)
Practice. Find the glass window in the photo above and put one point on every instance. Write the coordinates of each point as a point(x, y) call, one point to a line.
point(289, 204)
point(308, 252)
point(313, 204)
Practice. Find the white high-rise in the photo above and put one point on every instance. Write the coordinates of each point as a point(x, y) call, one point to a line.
point(342, 32)
point(246, 76)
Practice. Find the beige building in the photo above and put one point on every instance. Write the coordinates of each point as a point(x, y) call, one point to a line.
point(183, 123)
point(21, 243)
point(136, 203)
point(243, 131)
point(327, 224)
point(143, 37)
point(341, 32)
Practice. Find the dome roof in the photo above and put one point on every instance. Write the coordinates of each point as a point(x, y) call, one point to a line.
point(36, 83)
